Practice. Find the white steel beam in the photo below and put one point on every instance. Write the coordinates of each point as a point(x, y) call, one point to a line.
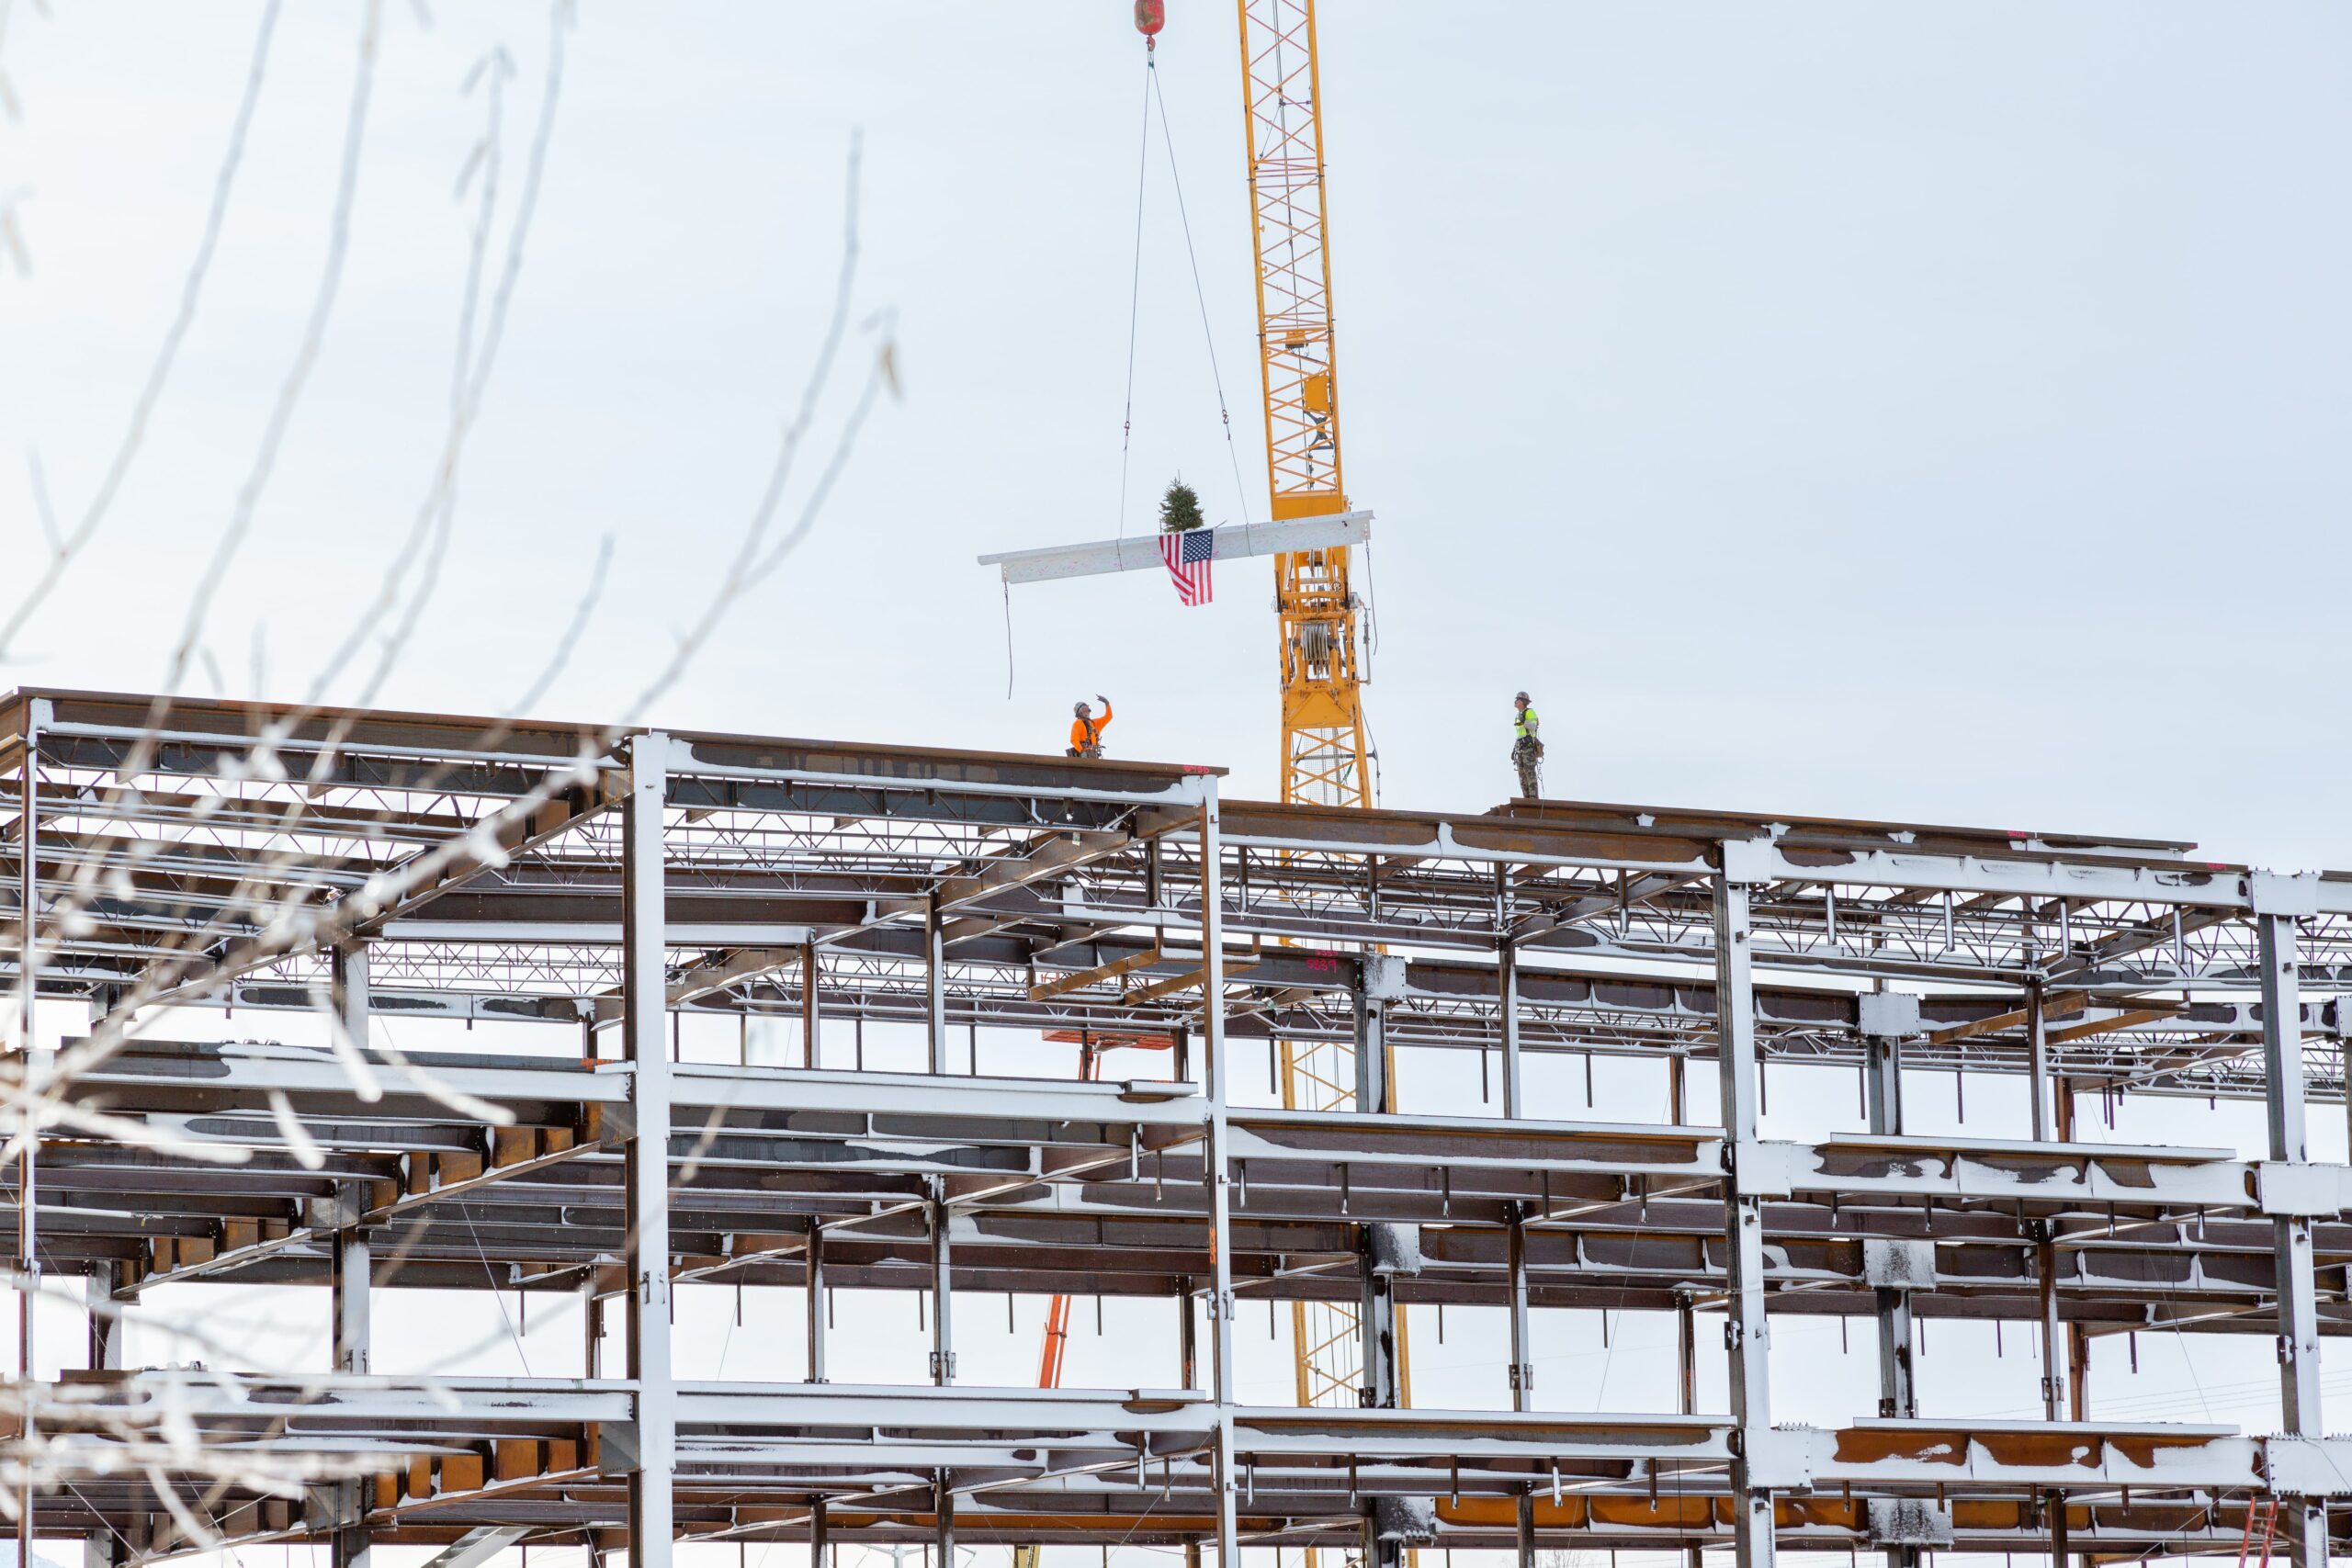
point(647, 1049)
point(477, 1546)
point(1140, 552)
point(1745, 1328)
point(2303, 1518)
point(1215, 1174)
point(1897, 1393)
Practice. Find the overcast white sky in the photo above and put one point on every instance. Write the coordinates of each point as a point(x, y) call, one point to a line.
point(1931, 411)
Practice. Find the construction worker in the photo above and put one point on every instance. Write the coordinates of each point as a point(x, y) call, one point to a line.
point(1526, 747)
point(1086, 730)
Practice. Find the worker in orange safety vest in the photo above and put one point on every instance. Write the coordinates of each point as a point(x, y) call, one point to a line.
point(1086, 730)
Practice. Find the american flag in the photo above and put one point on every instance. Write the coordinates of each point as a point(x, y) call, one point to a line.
point(1188, 554)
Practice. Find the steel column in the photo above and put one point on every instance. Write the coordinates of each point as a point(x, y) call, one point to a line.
point(101, 1547)
point(1188, 1341)
point(1371, 1039)
point(934, 983)
point(2303, 1519)
point(2077, 1363)
point(1522, 1367)
point(1514, 1093)
point(348, 1545)
point(348, 989)
point(28, 877)
point(645, 998)
point(1507, 982)
point(353, 1267)
point(2037, 1038)
point(1686, 1335)
point(2054, 1357)
point(1686, 1351)
point(819, 1528)
point(1746, 1330)
point(28, 982)
point(592, 1329)
point(809, 977)
point(943, 1294)
point(1882, 1082)
point(1376, 1327)
point(1216, 1175)
point(1215, 1171)
point(815, 1279)
point(1897, 1395)
point(106, 1323)
point(353, 1277)
point(1526, 1522)
point(1229, 1486)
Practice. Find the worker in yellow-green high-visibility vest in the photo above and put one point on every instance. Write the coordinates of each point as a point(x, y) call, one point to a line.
point(1526, 747)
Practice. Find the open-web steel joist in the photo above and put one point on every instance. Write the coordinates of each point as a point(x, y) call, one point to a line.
point(434, 868)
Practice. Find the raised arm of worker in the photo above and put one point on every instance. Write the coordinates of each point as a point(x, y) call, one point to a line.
point(1104, 722)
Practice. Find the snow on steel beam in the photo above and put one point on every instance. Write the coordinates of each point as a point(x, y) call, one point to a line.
point(713, 770)
point(1812, 832)
point(1140, 552)
point(2058, 1454)
point(508, 1007)
point(1046, 1412)
point(157, 1076)
point(445, 1407)
point(455, 926)
point(1019, 1102)
point(2158, 883)
point(1432, 1436)
point(1971, 1168)
point(1900, 858)
point(1421, 1142)
point(354, 732)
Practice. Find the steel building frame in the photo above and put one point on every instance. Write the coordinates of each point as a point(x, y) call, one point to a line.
point(606, 881)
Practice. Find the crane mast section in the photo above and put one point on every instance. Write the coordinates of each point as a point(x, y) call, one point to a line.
point(1295, 341)
point(1323, 749)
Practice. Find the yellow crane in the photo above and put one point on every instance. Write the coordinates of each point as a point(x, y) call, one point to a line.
point(1323, 750)
point(1324, 756)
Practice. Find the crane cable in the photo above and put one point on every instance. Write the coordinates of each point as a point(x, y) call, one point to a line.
point(1134, 275)
point(1225, 417)
point(1135, 303)
point(1151, 96)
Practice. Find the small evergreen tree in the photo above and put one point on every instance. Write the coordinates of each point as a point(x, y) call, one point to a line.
point(1179, 509)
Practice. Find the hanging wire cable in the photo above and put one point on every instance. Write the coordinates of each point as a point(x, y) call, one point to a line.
point(1241, 490)
point(1134, 280)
